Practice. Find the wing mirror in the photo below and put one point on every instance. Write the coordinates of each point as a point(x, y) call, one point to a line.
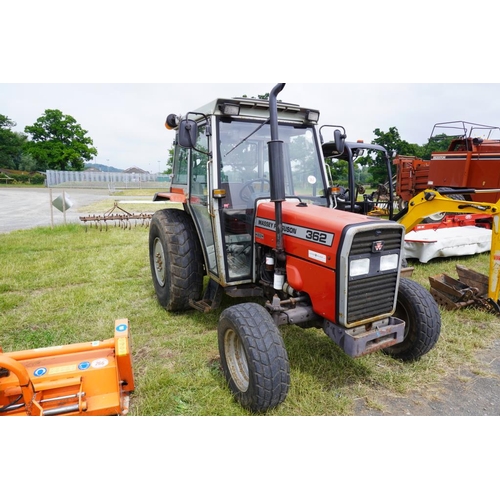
point(188, 133)
point(339, 139)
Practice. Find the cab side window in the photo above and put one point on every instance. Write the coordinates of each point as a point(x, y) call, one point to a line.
point(181, 161)
point(199, 160)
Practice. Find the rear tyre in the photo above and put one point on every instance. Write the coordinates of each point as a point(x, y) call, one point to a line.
point(176, 259)
point(253, 357)
point(418, 309)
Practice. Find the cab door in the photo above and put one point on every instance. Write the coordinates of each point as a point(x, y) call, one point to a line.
point(199, 200)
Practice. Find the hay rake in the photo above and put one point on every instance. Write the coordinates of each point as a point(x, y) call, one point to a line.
point(121, 218)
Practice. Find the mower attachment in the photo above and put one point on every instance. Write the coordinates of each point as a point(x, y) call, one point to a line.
point(93, 378)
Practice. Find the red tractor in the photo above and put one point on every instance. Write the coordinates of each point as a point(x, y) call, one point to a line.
point(258, 221)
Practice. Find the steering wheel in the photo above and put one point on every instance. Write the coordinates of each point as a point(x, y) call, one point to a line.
point(249, 186)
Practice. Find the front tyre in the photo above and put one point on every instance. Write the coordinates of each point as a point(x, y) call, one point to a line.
point(253, 357)
point(418, 309)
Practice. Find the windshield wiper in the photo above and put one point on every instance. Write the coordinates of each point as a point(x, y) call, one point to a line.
point(247, 137)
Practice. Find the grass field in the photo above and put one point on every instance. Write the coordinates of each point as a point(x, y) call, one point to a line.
point(68, 284)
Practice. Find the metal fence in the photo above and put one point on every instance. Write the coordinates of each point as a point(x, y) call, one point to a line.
point(106, 180)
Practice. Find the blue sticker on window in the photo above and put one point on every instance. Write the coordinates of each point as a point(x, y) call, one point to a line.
point(84, 365)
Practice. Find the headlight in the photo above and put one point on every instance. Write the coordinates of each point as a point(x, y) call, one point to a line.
point(389, 262)
point(359, 267)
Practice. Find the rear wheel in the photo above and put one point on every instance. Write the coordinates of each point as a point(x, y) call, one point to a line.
point(253, 357)
point(418, 309)
point(175, 259)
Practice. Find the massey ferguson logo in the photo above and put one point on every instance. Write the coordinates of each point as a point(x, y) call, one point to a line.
point(377, 246)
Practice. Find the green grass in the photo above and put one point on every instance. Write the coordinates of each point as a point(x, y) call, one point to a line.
point(69, 284)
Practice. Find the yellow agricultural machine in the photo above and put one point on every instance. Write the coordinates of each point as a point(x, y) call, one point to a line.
point(472, 288)
point(92, 378)
point(436, 206)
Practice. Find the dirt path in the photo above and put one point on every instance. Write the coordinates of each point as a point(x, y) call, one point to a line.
point(464, 393)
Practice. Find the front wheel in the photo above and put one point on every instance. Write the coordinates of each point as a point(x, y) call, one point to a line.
point(253, 357)
point(418, 309)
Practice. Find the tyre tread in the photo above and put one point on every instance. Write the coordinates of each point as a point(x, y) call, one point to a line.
point(185, 269)
point(268, 355)
point(427, 318)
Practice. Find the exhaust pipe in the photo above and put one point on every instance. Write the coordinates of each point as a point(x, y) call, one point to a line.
point(277, 177)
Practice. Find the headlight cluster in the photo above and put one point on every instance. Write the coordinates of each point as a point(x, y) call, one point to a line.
point(361, 267)
point(389, 262)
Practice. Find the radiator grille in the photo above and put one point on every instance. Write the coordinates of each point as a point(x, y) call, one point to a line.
point(373, 295)
point(362, 242)
point(370, 297)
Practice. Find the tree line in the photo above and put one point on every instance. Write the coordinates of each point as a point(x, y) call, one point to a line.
point(54, 142)
point(57, 142)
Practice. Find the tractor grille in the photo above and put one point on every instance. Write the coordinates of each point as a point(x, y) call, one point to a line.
point(373, 295)
point(362, 242)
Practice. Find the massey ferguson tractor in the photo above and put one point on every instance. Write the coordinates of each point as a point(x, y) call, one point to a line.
point(258, 223)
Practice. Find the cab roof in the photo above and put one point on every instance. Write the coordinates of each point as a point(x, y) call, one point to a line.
point(256, 108)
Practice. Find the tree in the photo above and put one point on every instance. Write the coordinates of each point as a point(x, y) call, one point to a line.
point(11, 144)
point(439, 142)
point(170, 160)
point(339, 171)
point(27, 163)
point(58, 142)
point(395, 146)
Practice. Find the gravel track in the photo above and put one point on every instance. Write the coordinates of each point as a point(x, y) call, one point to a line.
point(26, 208)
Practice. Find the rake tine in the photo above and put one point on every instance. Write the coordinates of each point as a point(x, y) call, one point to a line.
point(124, 220)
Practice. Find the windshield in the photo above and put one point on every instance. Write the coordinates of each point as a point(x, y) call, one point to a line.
point(243, 157)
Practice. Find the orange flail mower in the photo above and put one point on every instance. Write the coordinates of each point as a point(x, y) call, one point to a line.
point(92, 378)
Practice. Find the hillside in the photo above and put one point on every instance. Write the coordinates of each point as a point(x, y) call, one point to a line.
point(103, 168)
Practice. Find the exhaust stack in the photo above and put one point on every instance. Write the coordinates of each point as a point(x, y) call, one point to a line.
point(277, 178)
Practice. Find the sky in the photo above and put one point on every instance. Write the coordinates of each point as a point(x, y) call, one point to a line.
point(367, 65)
point(126, 120)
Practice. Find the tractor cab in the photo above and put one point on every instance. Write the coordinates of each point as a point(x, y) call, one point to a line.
point(258, 218)
point(222, 172)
